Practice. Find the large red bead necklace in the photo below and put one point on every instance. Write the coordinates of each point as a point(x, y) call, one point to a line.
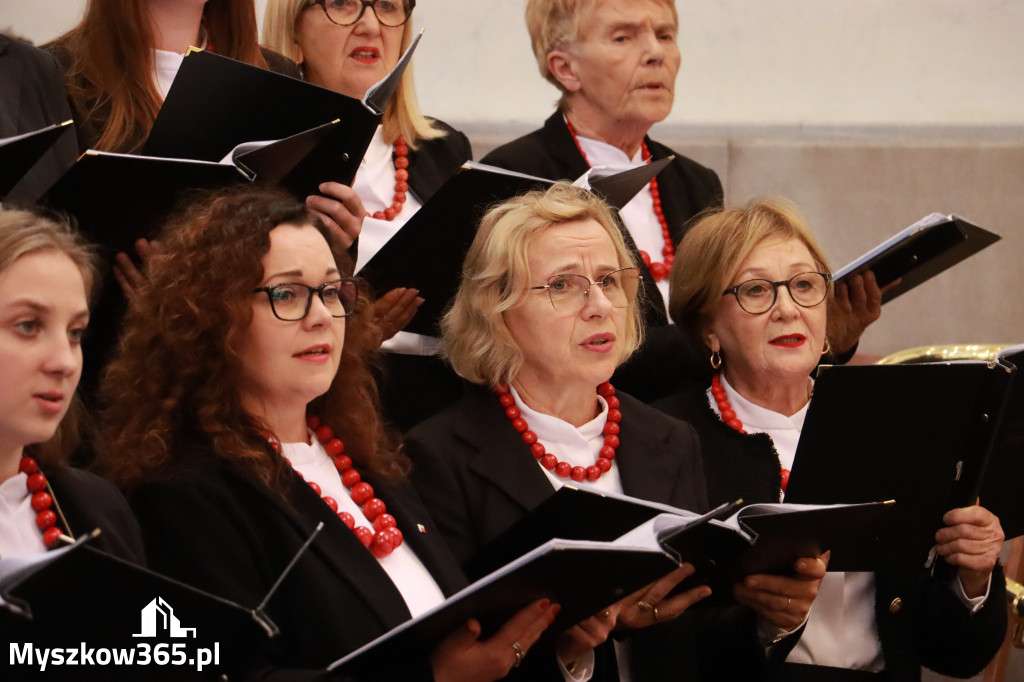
point(730, 418)
point(548, 460)
point(401, 182)
point(385, 537)
point(659, 271)
point(46, 518)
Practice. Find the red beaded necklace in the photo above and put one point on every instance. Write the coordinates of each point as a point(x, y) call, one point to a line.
point(401, 181)
point(46, 518)
point(385, 537)
point(659, 271)
point(548, 460)
point(730, 418)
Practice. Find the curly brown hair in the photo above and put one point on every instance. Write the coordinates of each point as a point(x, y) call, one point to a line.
point(177, 371)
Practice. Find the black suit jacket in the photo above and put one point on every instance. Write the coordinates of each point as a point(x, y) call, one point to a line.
point(402, 382)
point(215, 526)
point(89, 502)
point(686, 189)
point(478, 478)
point(32, 96)
point(920, 621)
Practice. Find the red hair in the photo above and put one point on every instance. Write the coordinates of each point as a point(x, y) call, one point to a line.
point(110, 71)
point(176, 374)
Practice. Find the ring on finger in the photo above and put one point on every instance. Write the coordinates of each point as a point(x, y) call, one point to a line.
point(520, 653)
point(643, 606)
point(654, 612)
point(789, 602)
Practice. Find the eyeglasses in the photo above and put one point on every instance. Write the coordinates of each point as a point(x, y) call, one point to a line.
point(569, 293)
point(291, 301)
point(757, 296)
point(347, 12)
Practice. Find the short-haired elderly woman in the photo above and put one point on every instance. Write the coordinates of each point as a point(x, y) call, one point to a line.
point(347, 46)
point(545, 314)
point(614, 63)
point(241, 414)
point(752, 293)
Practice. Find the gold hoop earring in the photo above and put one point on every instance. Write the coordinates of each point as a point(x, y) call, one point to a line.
point(828, 348)
point(716, 360)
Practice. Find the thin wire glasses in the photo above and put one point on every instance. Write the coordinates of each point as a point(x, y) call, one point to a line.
point(757, 296)
point(291, 301)
point(569, 293)
point(347, 12)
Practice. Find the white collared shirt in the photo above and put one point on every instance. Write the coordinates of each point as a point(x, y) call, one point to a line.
point(18, 531)
point(638, 215)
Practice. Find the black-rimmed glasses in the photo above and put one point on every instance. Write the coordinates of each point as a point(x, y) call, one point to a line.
point(569, 293)
point(757, 296)
point(291, 301)
point(347, 12)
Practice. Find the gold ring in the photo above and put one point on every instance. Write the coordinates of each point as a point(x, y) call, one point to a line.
point(520, 654)
point(654, 609)
point(789, 602)
point(607, 614)
point(643, 606)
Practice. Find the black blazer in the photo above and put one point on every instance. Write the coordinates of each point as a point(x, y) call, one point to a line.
point(89, 502)
point(686, 189)
point(920, 621)
point(32, 96)
point(215, 526)
point(403, 378)
point(478, 478)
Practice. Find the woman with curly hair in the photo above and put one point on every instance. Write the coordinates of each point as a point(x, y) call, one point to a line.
point(241, 414)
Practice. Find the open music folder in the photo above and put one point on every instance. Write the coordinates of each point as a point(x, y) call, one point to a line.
point(915, 255)
point(216, 103)
point(932, 436)
point(18, 154)
point(428, 251)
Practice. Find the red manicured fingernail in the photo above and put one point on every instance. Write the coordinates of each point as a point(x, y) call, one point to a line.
point(544, 603)
point(556, 608)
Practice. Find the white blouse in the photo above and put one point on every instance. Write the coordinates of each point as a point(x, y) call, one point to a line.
point(638, 215)
point(405, 569)
point(18, 531)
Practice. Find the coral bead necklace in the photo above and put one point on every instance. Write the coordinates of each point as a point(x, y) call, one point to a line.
point(384, 537)
point(401, 181)
point(659, 271)
point(550, 461)
point(730, 418)
point(42, 500)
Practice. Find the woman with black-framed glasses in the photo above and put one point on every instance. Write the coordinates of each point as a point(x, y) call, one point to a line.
point(347, 46)
point(752, 294)
point(241, 414)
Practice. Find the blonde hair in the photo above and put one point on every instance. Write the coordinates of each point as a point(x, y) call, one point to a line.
point(402, 115)
point(496, 273)
point(558, 25)
point(23, 233)
point(711, 253)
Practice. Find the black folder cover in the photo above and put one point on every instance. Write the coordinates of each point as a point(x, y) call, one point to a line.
point(19, 153)
point(930, 436)
point(920, 252)
point(217, 103)
point(428, 251)
point(582, 577)
point(569, 514)
point(83, 596)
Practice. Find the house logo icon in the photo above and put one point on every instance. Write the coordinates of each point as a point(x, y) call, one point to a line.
point(158, 619)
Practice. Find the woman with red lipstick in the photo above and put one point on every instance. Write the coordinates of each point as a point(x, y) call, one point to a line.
point(348, 46)
point(752, 293)
point(241, 414)
point(46, 275)
point(544, 315)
